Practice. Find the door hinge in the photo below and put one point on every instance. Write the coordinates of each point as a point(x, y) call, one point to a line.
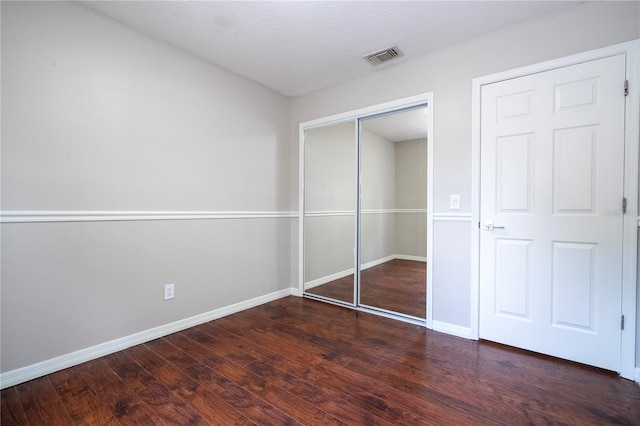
point(624, 205)
point(622, 323)
point(626, 87)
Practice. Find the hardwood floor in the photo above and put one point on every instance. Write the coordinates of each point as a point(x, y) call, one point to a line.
point(298, 361)
point(397, 285)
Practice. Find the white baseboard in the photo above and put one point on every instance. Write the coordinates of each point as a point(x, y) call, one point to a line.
point(455, 330)
point(410, 257)
point(328, 278)
point(637, 380)
point(378, 262)
point(21, 375)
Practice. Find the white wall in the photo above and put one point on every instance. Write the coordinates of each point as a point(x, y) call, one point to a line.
point(448, 73)
point(97, 117)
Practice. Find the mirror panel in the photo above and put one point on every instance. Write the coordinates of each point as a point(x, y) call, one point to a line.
point(393, 191)
point(330, 211)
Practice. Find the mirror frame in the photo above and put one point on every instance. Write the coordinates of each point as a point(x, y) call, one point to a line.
point(355, 115)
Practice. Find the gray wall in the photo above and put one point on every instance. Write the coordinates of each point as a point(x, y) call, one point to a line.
point(377, 192)
point(411, 193)
point(449, 73)
point(98, 117)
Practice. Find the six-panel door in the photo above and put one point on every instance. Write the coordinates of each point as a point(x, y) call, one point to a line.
point(552, 156)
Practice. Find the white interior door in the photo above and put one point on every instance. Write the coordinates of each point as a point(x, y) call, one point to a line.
point(552, 157)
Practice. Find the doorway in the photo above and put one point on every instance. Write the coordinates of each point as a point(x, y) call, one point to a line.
point(555, 175)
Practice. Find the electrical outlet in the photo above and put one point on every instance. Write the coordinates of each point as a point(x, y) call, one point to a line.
point(454, 202)
point(168, 291)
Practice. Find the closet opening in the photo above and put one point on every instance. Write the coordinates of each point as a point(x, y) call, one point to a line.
point(365, 197)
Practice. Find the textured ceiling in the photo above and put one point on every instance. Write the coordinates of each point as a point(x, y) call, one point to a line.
point(297, 47)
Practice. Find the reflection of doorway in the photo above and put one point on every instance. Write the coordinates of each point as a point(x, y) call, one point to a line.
point(375, 219)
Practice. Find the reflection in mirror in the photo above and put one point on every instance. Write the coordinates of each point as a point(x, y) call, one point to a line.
point(393, 191)
point(329, 211)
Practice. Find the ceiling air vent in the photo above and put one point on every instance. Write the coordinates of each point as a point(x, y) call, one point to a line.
point(381, 56)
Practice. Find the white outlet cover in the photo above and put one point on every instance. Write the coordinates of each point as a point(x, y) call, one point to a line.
point(168, 291)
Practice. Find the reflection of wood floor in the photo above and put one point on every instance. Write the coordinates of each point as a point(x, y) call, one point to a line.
point(397, 285)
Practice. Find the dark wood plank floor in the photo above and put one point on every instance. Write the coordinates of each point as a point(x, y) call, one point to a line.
point(298, 361)
point(397, 285)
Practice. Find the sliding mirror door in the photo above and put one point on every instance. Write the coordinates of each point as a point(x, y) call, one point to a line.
point(364, 225)
point(330, 211)
point(393, 215)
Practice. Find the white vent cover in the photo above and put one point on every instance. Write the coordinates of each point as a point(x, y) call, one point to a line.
point(381, 56)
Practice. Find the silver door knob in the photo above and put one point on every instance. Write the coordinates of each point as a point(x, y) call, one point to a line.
point(489, 226)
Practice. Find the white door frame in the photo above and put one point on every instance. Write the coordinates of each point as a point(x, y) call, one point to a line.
point(631, 220)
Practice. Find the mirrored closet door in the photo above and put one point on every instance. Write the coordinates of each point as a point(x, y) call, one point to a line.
point(393, 214)
point(330, 211)
point(364, 211)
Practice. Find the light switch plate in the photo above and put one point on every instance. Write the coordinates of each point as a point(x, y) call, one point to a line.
point(454, 202)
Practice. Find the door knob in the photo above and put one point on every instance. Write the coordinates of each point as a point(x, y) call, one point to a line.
point(489, 226)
